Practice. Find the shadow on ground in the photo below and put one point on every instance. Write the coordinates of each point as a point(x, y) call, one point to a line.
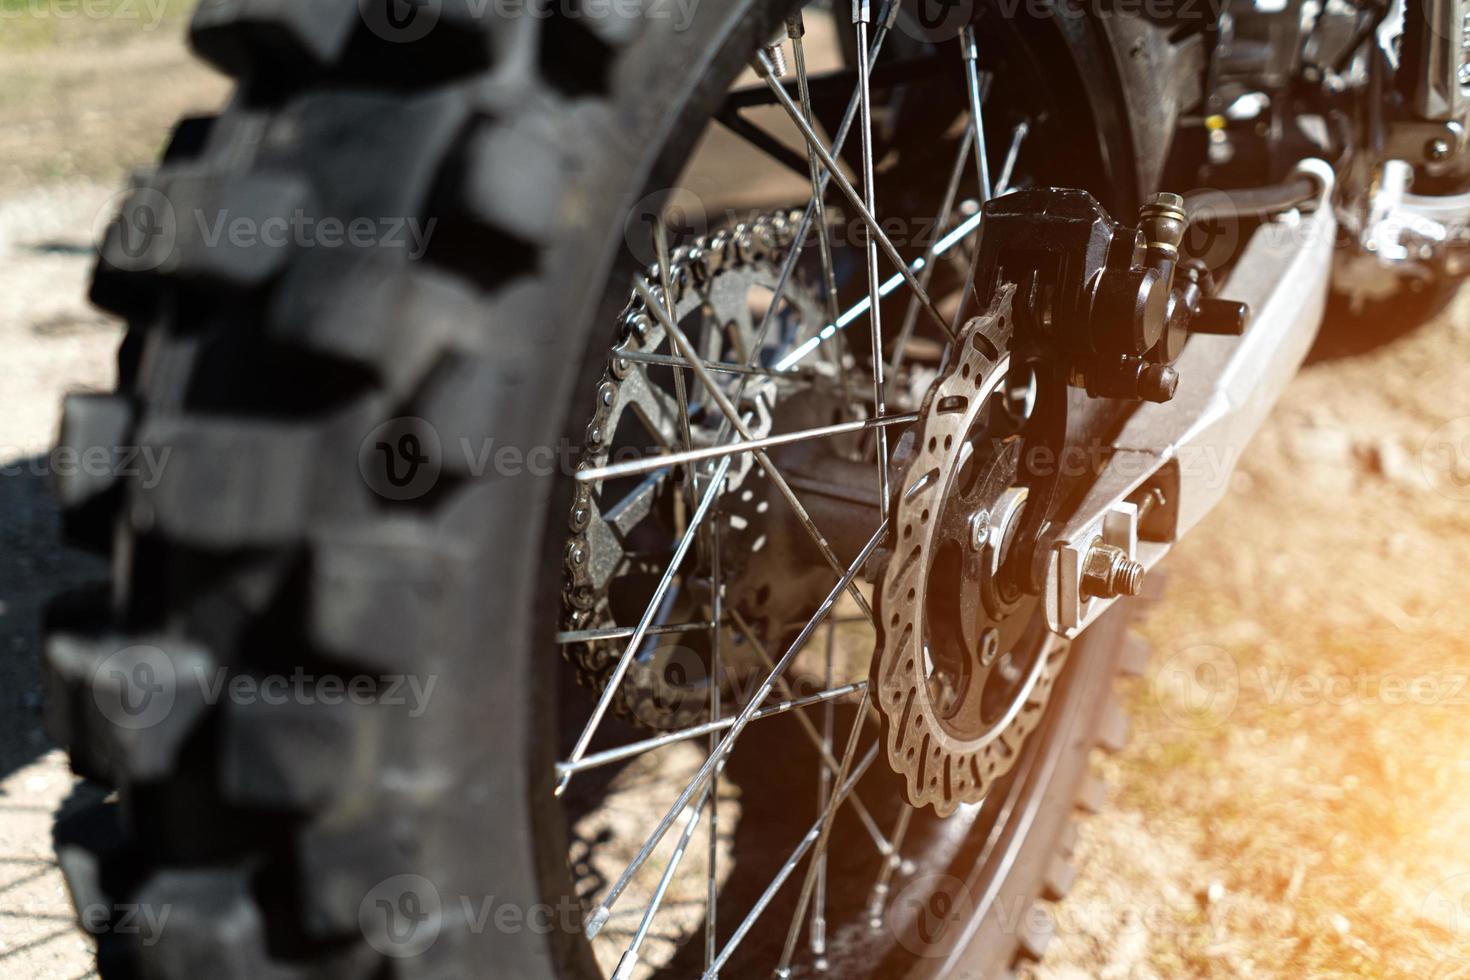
point(36, 566)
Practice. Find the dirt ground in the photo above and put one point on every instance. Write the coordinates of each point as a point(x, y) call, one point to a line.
point(1295, 799)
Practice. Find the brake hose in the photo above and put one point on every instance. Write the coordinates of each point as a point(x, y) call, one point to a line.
point(1253, 202)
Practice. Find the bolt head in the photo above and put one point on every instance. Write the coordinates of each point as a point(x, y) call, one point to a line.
point(1437, 149)
point(1108, 572)
point(1158, 383)
point(989, 646)
point(979, 529)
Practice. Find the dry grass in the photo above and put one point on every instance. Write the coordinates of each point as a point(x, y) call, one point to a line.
point(1303, 740)
point(89, 89)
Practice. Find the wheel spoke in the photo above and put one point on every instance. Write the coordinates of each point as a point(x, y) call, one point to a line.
point(598, 918)
point(878, 897)
point(824, 751)
point(606, 757)
point(1008, 170)
point(970, 49)
point(926, 274)
point(790, 865)
point(796, 30)
point(849, 117)
point(684, 501)
point(733, 417)
point(716, 367)
point(696, 449)
point(764, 67)
point(665, 460)
point(818, 930)
point(946, 244)
point(731, 119)
point(807, 884)
point(629, 960)
point(711, 896)
point(862, 12)
point(636, 641)
point(619, 632)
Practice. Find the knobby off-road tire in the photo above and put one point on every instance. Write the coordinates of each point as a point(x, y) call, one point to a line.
point(269, 545)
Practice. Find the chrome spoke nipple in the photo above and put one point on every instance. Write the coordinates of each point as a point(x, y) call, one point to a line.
point(776, 52)
point(596, 921)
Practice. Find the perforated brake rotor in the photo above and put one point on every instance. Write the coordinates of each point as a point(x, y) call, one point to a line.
point(962, 671)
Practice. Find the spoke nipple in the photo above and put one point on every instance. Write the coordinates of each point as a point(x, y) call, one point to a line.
point(596, 921)
point(776, 52)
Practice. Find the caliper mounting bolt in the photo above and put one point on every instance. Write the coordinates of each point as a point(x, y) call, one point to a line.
point(1107, 572)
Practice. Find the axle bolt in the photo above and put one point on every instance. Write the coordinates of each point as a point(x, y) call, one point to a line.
point(1108, 572)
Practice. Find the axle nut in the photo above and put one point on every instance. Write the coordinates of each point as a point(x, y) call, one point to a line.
point(1108, 572)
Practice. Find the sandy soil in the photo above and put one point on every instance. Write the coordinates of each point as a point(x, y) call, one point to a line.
point(1293, 802)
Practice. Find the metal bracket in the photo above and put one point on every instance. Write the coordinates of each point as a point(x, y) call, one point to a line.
point(1192, 443)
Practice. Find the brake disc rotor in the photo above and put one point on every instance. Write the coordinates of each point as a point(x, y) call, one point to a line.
point(961, 671)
